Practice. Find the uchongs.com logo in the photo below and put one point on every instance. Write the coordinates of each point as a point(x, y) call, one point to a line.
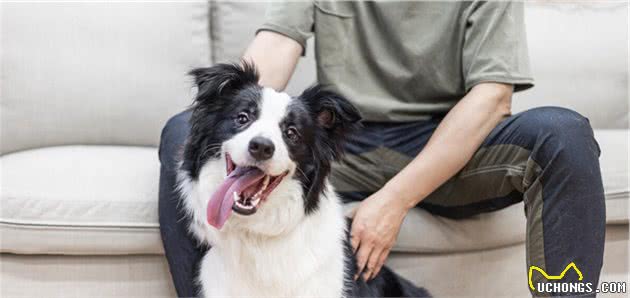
point(554, 284)
point(559, 287)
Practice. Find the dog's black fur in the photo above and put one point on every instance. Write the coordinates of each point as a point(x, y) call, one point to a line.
point(224, 90)
point(385, 284)
point(323, 120)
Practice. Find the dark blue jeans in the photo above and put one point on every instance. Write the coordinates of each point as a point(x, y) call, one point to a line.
point(546, 157)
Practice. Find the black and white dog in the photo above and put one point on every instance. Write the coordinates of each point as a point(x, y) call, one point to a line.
point(253, 179)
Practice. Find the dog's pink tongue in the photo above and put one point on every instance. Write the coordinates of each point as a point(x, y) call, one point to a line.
point(220, 204)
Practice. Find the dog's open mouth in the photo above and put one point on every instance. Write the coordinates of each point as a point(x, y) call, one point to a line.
point(247, 199)
point(242, 191)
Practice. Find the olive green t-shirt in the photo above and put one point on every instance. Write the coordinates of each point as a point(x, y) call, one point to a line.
point(404, 61)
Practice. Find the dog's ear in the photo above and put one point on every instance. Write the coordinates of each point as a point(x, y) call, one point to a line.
point(331, 110)
point(333, 113)
point(222, 79)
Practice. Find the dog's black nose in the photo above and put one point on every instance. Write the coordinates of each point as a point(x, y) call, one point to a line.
point(261, 148)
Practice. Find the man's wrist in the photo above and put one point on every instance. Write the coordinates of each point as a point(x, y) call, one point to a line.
point(401, 197)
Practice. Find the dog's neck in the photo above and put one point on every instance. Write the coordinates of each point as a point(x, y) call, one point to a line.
point(329, 209)
point(315, 239)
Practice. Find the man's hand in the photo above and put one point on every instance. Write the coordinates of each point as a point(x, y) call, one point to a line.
point(375, 227)
point(378, 218)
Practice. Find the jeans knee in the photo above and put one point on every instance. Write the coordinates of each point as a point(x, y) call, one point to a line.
point(174, 133)
point(565, 126)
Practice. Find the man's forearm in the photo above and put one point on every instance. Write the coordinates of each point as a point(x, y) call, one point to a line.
point(453, 143)
point(275, 57)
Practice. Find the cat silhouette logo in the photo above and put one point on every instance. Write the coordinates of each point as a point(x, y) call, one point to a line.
point(553, 277)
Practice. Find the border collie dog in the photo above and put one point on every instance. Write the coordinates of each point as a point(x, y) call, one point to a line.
point(254, 181)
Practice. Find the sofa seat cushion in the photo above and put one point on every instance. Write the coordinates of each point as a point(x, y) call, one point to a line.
point(423, 232)
point(80, 200)
point(614, 164)
point(103, 200)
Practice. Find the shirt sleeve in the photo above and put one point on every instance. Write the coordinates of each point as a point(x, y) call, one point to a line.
point(293, 19)
point(495, 45)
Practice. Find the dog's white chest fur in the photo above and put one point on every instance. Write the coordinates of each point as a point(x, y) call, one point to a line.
point(277, 252)
point(307, 262)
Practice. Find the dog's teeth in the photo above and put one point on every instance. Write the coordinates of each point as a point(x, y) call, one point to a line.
point(265, 182)
point(237, 200)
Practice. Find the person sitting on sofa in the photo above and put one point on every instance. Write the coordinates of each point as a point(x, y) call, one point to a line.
point(433, 82)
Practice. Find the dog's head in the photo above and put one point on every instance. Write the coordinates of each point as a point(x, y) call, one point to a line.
point(275, 150)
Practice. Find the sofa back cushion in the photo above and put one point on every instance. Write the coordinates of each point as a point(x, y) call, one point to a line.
point(578, 54)
point(579, 57)
point(96, 73)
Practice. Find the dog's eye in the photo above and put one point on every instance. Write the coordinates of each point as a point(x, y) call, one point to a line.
point(292, 134)
point(242, 118)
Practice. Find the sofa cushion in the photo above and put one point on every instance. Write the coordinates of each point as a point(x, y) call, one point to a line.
point(96, 73)
point(614, 164)
point(588, 77)
point(80, 200)
point(423, 232)
point(103, 200)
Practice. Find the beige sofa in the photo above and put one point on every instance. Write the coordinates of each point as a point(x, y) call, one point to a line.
point(86, 88)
